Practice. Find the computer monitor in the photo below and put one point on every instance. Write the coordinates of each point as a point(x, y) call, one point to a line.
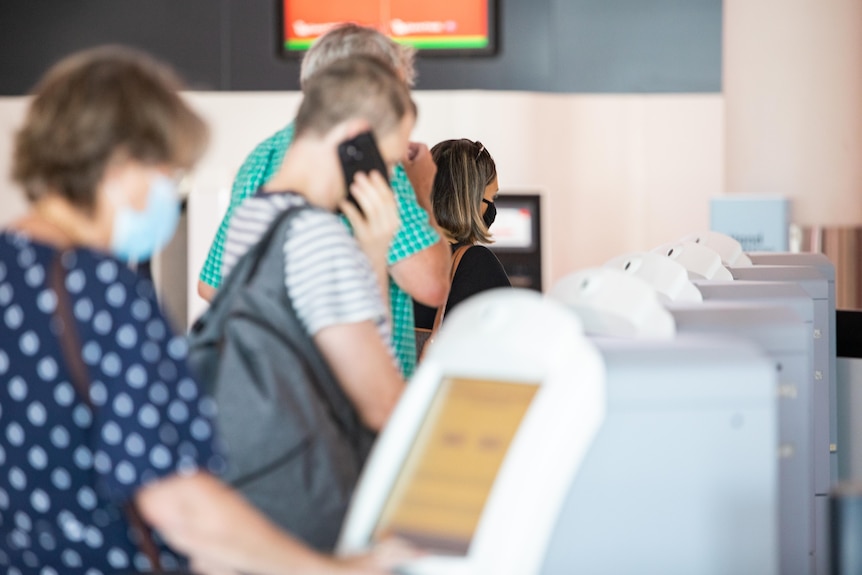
point(485, 439)
point(513, 228)
point(517, 238)
point(435, 27)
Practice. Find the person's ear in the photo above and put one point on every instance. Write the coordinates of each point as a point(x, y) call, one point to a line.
point(114, 185)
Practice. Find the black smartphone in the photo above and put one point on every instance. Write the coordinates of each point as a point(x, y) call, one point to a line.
point(360, 154)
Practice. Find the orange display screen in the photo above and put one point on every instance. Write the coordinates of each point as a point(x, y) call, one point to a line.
point(441, 490)
point(426, 24)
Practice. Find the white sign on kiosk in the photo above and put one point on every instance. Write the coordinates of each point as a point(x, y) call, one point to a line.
point(478, 456)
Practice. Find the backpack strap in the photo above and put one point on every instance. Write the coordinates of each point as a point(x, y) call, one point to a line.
point(70, 348)
point(70, 345)
point(261, 249)
point(246, 269)
point(263, 254)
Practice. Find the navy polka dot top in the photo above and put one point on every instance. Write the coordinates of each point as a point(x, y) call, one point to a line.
point(69, 466)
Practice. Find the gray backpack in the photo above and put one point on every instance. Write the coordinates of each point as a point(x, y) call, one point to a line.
point(294, 442)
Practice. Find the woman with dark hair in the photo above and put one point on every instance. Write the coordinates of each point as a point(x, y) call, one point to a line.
point(107, 448)
point(463, 195)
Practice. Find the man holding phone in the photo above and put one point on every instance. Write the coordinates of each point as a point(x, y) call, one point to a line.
point(418, 258)
point(335, 283)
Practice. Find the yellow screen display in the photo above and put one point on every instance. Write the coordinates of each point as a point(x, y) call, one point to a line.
point(441, 490)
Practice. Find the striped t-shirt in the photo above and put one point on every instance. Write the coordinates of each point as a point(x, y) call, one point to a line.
point(329, 279)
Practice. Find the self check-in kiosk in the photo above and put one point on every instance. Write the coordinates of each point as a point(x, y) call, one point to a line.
point(781, 334)
point(821, 289)
point(796, 378)
point(814, 275)
point(817, 280)
point(675, 482)
point(681, 478)
point(785, 267)
point(479, 454)
point(799, 523)
point(792, 297)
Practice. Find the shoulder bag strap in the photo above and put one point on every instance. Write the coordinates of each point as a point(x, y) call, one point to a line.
point(260, 250)
point(441, 311)
point(70, 347)
point(245, 270)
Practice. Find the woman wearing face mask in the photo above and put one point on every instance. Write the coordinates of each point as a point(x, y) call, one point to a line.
point(105, 438)
point(463, 195)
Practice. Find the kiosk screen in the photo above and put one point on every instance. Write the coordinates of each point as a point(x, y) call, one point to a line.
point(440, 492)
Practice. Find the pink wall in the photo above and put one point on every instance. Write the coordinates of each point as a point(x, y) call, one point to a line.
point(793, 105)
point(618, 173)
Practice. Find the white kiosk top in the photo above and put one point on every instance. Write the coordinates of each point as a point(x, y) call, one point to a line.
point(702, 262)
point(669, 278)
point(611, 302)
point(728, 248)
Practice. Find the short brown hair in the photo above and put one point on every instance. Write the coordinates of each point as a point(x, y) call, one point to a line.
point(354, 87)
point(464, 169)
point(353, 40)
point(97, 105)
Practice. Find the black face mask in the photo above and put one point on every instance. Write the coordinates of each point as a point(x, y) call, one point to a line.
point(490, 214)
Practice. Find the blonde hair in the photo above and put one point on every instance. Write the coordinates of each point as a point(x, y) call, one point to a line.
point(355, 87)
point(464, 169)
point(354, 40)
point(94, 106)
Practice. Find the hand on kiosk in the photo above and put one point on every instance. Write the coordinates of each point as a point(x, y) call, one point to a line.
point(387, 556)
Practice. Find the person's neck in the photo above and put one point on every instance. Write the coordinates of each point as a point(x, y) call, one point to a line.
point(305, 172)
point(53, 221)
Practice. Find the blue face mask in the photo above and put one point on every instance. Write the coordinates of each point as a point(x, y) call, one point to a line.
point(137, 236)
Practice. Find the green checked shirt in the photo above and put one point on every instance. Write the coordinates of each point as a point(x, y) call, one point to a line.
point(414, 235)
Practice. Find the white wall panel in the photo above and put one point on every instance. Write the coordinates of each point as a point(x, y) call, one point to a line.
point(617, 173)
